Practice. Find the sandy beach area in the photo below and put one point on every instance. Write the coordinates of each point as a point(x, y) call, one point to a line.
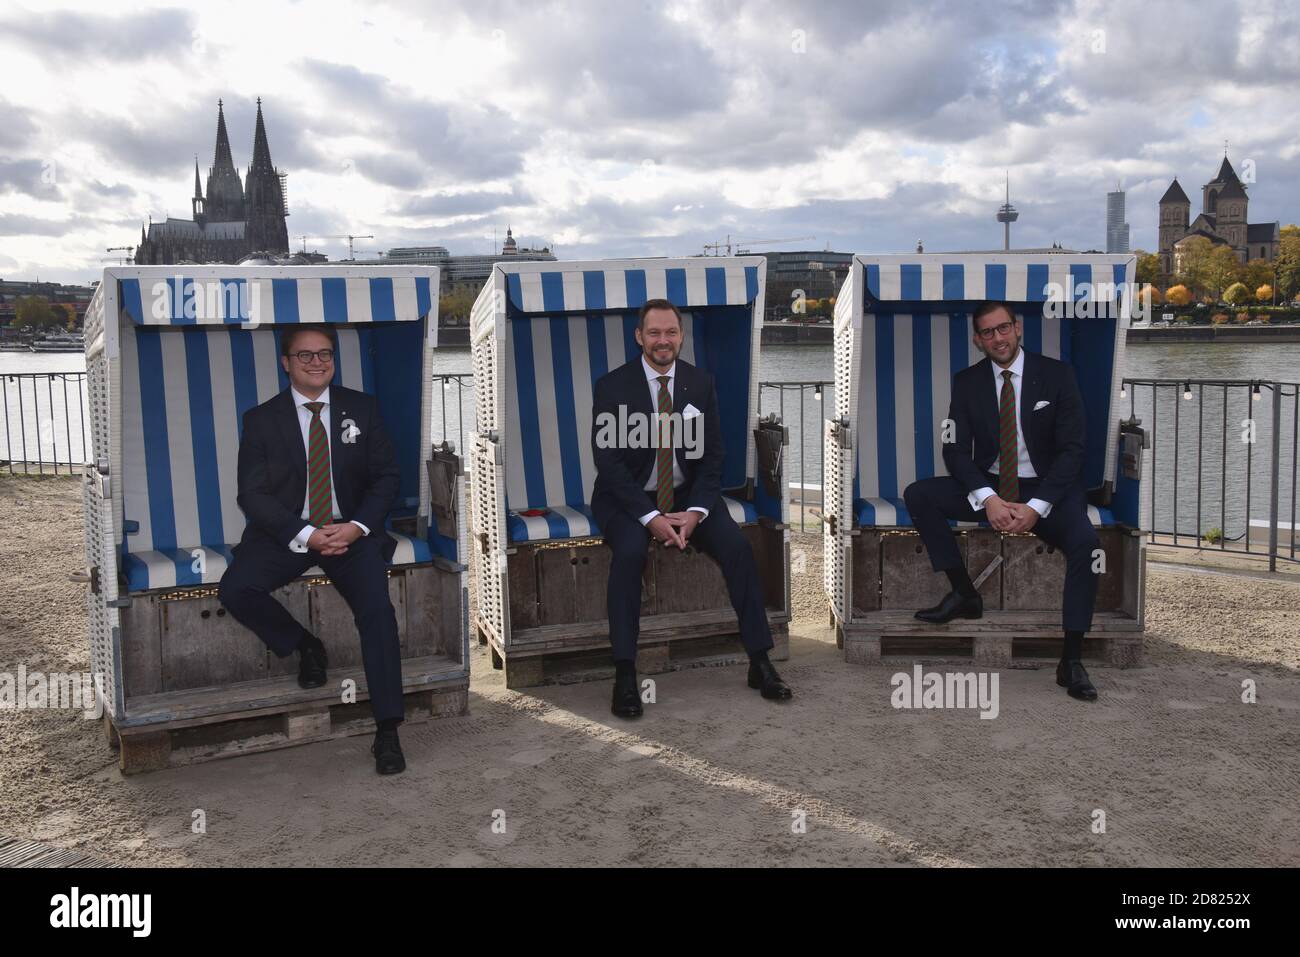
point(1184, 771)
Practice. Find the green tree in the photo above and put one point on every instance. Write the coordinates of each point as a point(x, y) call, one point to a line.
point(1193, 264)
point(1257, 272)
point(1148, 267)
point(35, 313)
point(1288, 264)
point(1237, 294)
point(1222, 270)
point(457, 304)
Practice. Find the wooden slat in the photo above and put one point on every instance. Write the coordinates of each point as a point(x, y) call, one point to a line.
point(272, 696)
point(1020, 624)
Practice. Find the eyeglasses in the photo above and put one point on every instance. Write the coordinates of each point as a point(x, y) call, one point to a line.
point(999, 330)
point(326, 356)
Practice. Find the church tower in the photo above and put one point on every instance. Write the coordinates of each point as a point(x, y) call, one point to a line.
point(266, 228)
point(1175, 216)
point(196, 204)
point(225, 202)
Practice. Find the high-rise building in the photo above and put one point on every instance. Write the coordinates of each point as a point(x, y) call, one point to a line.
point(1116, 227)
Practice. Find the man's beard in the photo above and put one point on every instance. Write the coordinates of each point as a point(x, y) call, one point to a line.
point(666, 355)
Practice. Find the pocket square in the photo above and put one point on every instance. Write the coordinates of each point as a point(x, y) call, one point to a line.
point(690, 411)
point(1041, 404)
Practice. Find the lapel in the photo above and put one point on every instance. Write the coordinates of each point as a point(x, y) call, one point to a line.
point(988, 388)
point(682, 391)
point(338, 412)
point(286, 419)
point(640, 389)
point(1030, 392)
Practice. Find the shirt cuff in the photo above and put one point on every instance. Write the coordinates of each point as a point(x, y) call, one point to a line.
point(364, 530)
point(701, 509)
point(1040, 506)
point(977, 497)
point(299, 544)
point(648, 516)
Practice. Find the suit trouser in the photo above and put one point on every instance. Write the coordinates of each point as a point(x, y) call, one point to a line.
point(933, 501)
point(719, 537)
point(361, 576)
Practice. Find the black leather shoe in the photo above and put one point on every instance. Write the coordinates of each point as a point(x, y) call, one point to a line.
point(954, 605)
point(388, 752)
point(769, 684)
point(1071, 676)
point(312, 663)
point(627, 696)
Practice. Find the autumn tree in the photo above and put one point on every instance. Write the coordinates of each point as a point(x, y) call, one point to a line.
point(1237, 294)
point(1178, 295)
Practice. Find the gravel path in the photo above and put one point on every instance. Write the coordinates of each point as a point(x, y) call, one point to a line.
point(1185, 772)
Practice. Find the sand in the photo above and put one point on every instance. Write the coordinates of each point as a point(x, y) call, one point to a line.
point(1185, 773)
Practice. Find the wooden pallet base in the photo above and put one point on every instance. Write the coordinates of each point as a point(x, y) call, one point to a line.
point(998, 640)
point(191, 740)
point(531, 668)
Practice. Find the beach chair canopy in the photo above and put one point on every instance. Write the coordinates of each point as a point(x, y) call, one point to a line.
point(199, 346)
point(564, 325)
point(910, 319)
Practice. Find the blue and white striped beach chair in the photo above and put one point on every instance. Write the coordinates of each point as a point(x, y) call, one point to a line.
point(176, 355)
point(903, 329)
point(543, 333)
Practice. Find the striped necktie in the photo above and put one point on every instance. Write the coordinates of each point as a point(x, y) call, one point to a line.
point(664, 456)
point(1008, 457)
point(320, 492)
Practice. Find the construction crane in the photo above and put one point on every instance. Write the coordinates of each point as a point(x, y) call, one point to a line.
point(348, 236)
point(716, 247)
point(129, 250)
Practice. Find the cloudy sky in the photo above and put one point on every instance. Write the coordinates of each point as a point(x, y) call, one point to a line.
point(642, 128)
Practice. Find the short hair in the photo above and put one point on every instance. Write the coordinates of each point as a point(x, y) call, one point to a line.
point(658, 304)
point(293, 331)
point(984, 308)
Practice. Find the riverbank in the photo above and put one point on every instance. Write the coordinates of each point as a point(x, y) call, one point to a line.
point(1225, 333)
point(1187, 774)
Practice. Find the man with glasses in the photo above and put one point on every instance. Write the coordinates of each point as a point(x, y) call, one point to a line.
point(1016, 460)
point(317, 477)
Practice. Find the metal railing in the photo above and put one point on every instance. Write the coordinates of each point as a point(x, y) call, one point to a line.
point(810, 401)
point(1221, 470)
point(46, 425)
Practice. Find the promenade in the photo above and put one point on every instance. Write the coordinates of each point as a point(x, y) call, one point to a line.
point(1184, 771)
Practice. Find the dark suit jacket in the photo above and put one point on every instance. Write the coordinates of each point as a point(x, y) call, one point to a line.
point(273, 467)
point(1054, 435)
point(622, 473)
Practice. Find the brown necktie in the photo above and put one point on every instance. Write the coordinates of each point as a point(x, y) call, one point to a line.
point(664, 457)
point(320, 493)
point(1008, 457)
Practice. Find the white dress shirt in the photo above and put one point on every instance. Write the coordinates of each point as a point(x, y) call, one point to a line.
point(304, 421)
point(652, 380)
point(1024, 467)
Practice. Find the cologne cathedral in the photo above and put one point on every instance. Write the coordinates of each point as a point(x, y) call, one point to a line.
point(232, 219)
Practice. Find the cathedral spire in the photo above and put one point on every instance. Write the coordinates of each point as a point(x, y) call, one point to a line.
point(261, 149)
point(198, 187)
point(221, 158)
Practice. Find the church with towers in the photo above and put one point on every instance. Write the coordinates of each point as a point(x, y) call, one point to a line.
point(1222, 220)
point(232, 218)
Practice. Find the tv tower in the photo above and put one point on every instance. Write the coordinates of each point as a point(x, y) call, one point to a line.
point(1006, 216)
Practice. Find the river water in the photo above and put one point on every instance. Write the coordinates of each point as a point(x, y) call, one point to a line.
point(1222, 468)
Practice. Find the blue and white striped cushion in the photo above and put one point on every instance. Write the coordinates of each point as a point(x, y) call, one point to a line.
point(204, 565)
point(184, 393)
point(892, 513)
point(563, 521)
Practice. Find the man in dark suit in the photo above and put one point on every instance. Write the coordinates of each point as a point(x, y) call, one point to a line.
point(668, 489)
point(1017, 459)
point(317, 477)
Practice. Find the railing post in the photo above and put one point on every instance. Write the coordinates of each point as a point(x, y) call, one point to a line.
point(1275, 480)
